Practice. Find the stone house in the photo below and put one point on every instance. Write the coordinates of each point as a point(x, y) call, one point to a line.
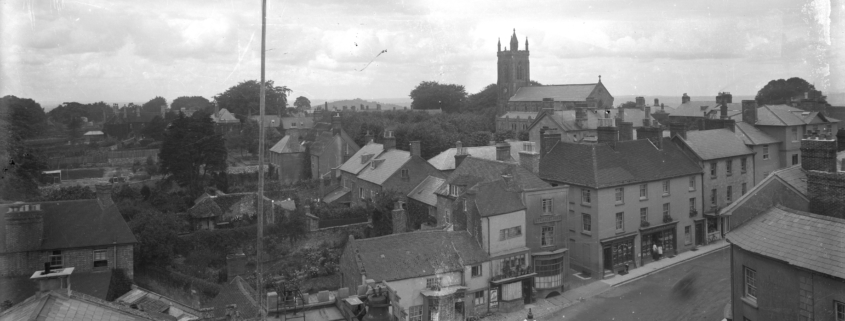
point(765, 148)
point(60, 233)
point(422, 203)
point(212, 212)
point(785, 187)
point(445, 161)
point(325, 147)
point(581, 124)
point(728, 172)
point(625, 197)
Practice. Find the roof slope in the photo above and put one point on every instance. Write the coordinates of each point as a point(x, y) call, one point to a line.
point(798, 238)
point(424, 191)
point(354, 164)
point(476, 170)
point(68, 224)
point(237, 292)
point(573, 92)
point(795, 176)
point(716, 143)
point(698, 108)
point(288, 144)
point(783, 115)
point(446, 160)
point(750, 135)
point(386, 165)
point(599, 165)
point(76, 306)
point(417, 254)
point(567, 121)
point(494, 198)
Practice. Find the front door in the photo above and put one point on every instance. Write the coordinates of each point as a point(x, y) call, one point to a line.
point(526, 290)
point(699, 233)
point(608, 259)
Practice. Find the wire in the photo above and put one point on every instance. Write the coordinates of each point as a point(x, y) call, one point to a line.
point(374, 58)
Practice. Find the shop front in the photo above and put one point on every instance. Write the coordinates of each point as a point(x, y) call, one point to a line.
point(717, 226)
point(618, 254)
point(551, 268)
point(662, 235)
point(444, 304)
point(511, 285)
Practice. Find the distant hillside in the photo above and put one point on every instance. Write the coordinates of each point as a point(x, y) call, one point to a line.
point(358, 102)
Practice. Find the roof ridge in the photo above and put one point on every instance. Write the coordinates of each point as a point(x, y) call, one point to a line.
point(775, 114)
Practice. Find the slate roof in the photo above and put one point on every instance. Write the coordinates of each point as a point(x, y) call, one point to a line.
point(301, 122)
point(445, 161)
point(416, 254)
point(599, 165)
point(798, 238)
point(151, 301)
point(750, 135)
point(424, 191)
point(477, 170)
point(694, 109)
point(336, 194)
point(354, 164)
point(387, 163)
point(573, 92)
point(496, 197)
point(288, 144)
point(224, 117)
point(566, 120)
point(68, 224)
point(795, 176)
point(716, 143)
point(59, 306)
point(783, 115)
point(18, 288)
point(269, 120)
point(239, 292)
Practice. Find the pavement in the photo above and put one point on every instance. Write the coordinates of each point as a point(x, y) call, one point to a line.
point(544, 307)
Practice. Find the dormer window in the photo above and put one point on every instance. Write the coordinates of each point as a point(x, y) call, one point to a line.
point(454, 190)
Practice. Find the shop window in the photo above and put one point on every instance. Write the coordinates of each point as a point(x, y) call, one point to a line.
point(100, 258)
point(687, 235)
point(511, 291)
point(548, 273)
point(750, 288)
point(433, 309)
point(712, 225)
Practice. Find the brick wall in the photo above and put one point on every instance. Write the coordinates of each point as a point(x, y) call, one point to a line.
point(82, 260)
point(825, 191)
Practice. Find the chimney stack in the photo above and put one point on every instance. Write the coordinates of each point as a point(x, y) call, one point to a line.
point(684, 98)
point(749, 111)
point(825, 182)
point(400, 220)
point(368, 138)
point(723, 111)
point(529, 158)
point(678, 129)
point(656, 102)
point(626, 131)
point(336, 124)
point(607, 134)
point(49, 280)
point(647, 116)
point(503, 151)
point(389, 140)
point(548, 140)
point(415, 149)
point(104, 195)
point(24, 227)
point(460, 154)
point(640, 101)
point(818, 153)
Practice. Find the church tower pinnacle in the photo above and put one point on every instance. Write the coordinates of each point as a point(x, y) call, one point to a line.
point(500, 44)
point(514, 42)
point(526, 43)
point(513, 72)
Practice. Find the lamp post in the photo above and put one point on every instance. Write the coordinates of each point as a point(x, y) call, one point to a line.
point(530, 316)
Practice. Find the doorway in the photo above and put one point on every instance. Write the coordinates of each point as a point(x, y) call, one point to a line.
point(699, 233)
point(526, 291)
point(608, 259)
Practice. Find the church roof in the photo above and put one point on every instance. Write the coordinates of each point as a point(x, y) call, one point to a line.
point(573, 92)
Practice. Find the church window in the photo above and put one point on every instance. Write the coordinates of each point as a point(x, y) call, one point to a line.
point(519, 71)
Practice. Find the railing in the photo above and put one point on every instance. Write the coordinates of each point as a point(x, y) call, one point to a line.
point(512, 272)
point(693, 213)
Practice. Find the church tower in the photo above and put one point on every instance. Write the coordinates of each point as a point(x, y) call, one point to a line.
point(513, 71)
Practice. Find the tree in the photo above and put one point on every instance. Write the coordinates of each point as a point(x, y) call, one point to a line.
point(26, 119)
point(69, 193)
point(484, 99)
point(21, 166)
point(781, 91)
point(192, 102)
point(249, 136)
point(302, 103)
point(243, 98)
point(155, 128)
point(628, 104)
point(154, 105)
point(382, 207)
point(74, 128)
point(150, 166)
point(96, 112)
point(191, 150)
point(157, 234)
point(433, 95)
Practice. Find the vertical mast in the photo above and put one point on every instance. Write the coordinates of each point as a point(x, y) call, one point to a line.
point(260, 197)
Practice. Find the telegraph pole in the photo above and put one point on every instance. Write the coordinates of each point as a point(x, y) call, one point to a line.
point(259, 246)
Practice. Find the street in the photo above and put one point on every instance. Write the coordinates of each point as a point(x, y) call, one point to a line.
point(660, 296)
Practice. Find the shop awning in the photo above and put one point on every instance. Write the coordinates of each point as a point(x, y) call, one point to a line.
point(513, 279)
point(660, 227)
point(443, 291)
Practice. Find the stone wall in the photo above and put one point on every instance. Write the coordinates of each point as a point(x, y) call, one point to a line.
point(826, 192)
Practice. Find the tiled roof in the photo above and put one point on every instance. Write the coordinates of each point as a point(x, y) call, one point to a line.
point(783, 115)
point(750, 135)
point(805, 240)
point(386, 165)
point(716, 143)
point(18, 288)
point(416, 254)
point(354, 164)
point(269, 120)
point(476, 170)
point(494, 198)
point(794, 176)
point(446, 160)
point(694, 109)
point(224, 117)
point(424, 192)
point(336, 194)
point(288, 144)
point(207, 207)
point(68, 224)
point(238, 292)
point(567, 121)
point(599, 165)
point(60, 306)
point(151, 301)
point(574, 92)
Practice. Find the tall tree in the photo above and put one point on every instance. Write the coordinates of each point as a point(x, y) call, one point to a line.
point(249, 136)
point(25, 117)
point(302, 103)
point(242, 99)
point(433, 95)
point(155, 128)
point(191, 102)
point(781, 91)
point(484, 99)
point(191, 151)
point(154, 105)
point(157, 233)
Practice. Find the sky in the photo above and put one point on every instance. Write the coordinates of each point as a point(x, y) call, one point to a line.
point(117, 51)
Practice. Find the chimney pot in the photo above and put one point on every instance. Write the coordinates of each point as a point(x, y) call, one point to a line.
point(415, 148)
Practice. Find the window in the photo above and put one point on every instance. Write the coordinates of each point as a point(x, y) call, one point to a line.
point(415, 313)
point(643, 191)
point(687, 235)
point(433, 308)
point(692, 183)
point(839, 309)
point(620, 195)
point(405, 173)
point(453, 190)
point(465, 204)
point(548, 236)
point(713, 197)
point(644, 214)
point(585, 196)
point(794, 159)
point(547, 205)
point(361, 192)
point(729, 167)
point(479, 298)
point(665, 209)
point(56, 259)
point(509, 233)
point(743, 189)
point(750, 283)
point(794, 134)
point(743, 167)
point(713, 166)
point(586, 224)
point(476, 270)
point(100, 258)
point(448, 217)
point(765, 152)
point(692, 205)
point(666, 187)
point(729, 195)
point(620, 221)
point(432, 282)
